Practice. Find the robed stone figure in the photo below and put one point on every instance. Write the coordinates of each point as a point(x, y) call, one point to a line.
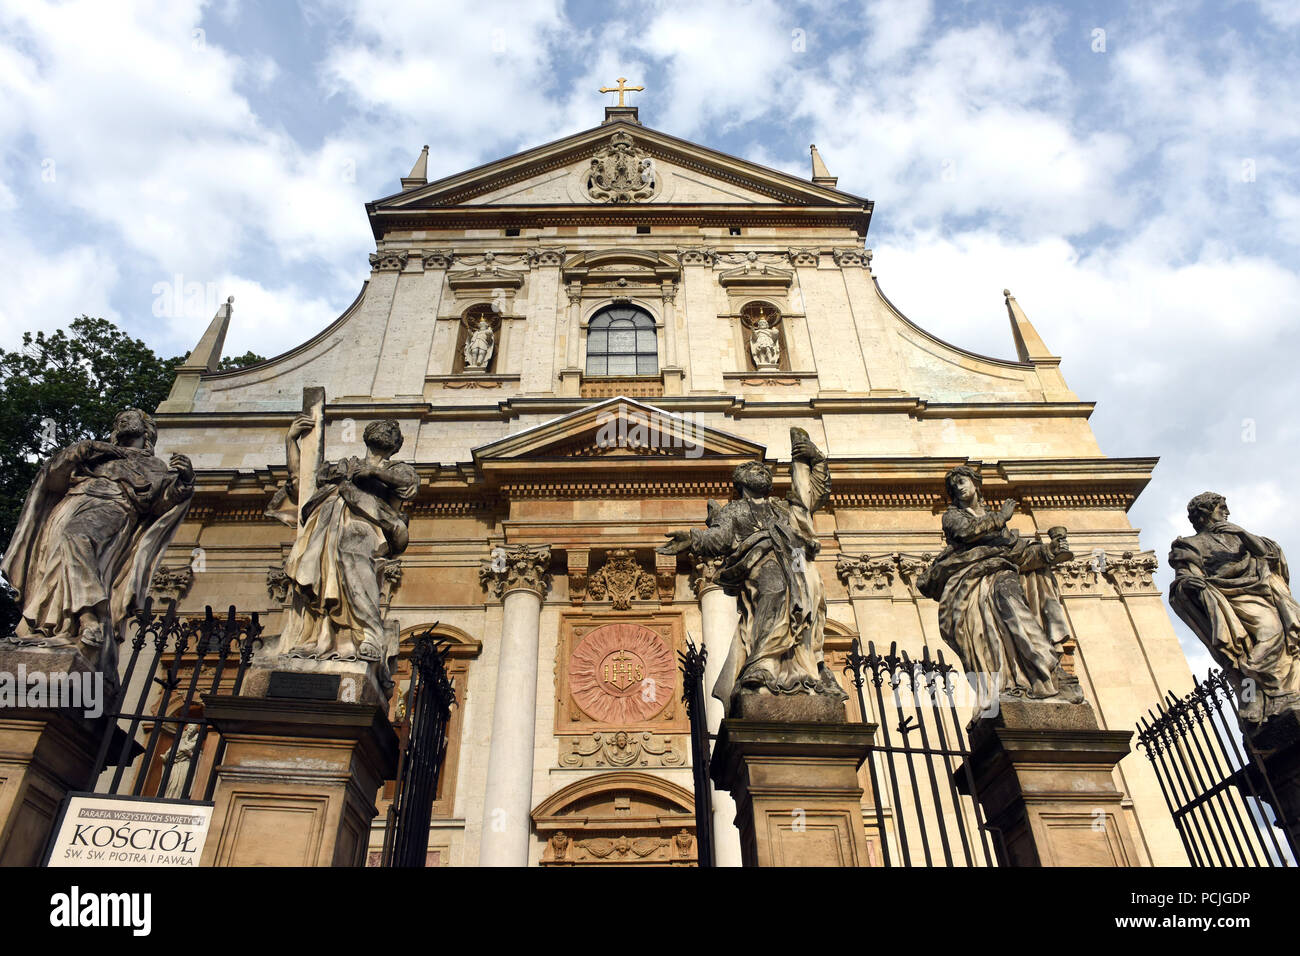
point(1232, 589)
point(999, 607)
point(767, 546)
point(91, 533)
point(345, 531)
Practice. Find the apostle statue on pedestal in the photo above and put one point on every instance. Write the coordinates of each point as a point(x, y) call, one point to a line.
point(999, 607)
point(93, 528)
point(768, 546)
point(345, 531)
point(1232, 589)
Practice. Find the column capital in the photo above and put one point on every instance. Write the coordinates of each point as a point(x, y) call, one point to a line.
point(866, 572)
point(517, 567)
point(1132, 571)
point(704, 574)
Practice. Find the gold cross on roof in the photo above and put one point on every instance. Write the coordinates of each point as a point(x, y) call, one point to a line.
point(621, 89)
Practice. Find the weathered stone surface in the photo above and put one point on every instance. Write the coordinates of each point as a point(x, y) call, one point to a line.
point(768, 547)
point(999, 606)
point(1229, 583)
point(794, 708)
point(1045, 778)
point(798, 801)
point(297, 785)
point(78, 581)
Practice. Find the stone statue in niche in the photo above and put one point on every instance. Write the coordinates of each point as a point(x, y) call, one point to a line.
point(775, 669)
point(1232, 588)
point(346, 530)
point(999, 605)
point(95, 524)
point(765, 346)
point(479, 347)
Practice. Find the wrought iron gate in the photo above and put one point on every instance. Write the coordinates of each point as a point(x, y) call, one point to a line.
point(1213, 781)
point(935, 807)
point(428, 713)
point(926, 807)
point(155, 721)
point(692, 661)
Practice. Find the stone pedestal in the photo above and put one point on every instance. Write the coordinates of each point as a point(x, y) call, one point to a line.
point(798, 802)
point(45, 752)
point(298, 782)
point(1044, 772)
point(1278, 746)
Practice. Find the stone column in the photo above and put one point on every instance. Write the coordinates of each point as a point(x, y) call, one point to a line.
point(571, 374)
point(719, 617)
point(518, 575)
point(1045, 775)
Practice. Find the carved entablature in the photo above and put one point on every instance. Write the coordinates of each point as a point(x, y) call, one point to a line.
point(172, 584)
point(389, 261)
point(1132, 572)
point(619, 749)
point(514, 567)
point(621, 173)
point(621, 580)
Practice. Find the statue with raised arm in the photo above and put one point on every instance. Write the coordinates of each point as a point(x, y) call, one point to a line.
point(345, 531)
point(1232, 588)
point(764, 346)
point(479, 347)
point(94, 526)
point(999, 607)
point(768, 546)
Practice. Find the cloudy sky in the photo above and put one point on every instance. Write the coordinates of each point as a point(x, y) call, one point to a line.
point(1129, 171)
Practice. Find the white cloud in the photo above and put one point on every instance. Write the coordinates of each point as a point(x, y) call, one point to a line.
point(896, 26)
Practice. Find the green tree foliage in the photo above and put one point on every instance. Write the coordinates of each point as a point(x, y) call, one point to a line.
point(67, 385)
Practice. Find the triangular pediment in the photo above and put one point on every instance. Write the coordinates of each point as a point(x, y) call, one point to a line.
point(641, 166)
point(617, 431)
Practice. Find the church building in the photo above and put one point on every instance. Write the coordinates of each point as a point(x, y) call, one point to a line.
point(580, 342)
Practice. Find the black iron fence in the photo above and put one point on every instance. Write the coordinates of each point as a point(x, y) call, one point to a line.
point(424, 723)
point(692, 664)
point(925, 804)
point(155, 721)
point(1214, 782)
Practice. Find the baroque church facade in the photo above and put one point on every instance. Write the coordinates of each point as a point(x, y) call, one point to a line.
point(580, 342)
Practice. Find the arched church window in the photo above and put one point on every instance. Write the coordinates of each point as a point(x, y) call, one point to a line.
point(621, 340)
